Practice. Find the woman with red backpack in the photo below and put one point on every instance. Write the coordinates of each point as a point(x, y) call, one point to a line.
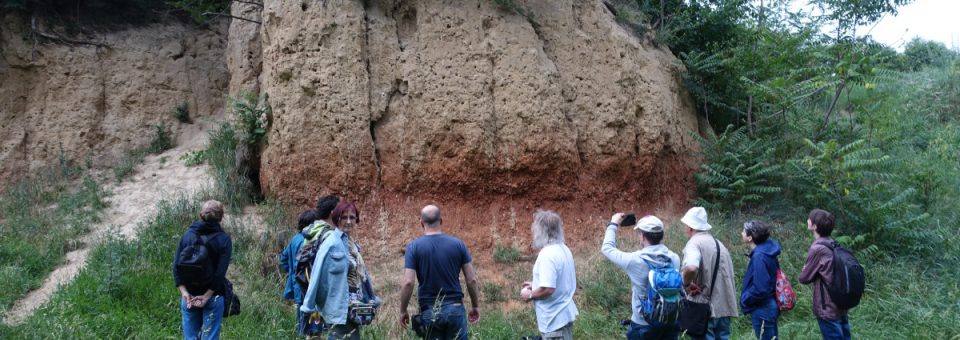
point(759, 288)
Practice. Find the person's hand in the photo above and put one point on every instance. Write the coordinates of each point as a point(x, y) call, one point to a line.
point(201, 301)
point(617, 218)
point(404, 319)
point(693, 289)
point(526, 284)
point(187, 299)
point(474, 315)
point(526, 293)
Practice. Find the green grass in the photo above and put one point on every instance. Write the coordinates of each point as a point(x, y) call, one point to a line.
point(162, 140)
point(41, 219)
point(505, 254)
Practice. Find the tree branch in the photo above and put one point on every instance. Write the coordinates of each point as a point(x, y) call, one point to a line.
point(229, 16)
point(57, 37)
point(258, 4)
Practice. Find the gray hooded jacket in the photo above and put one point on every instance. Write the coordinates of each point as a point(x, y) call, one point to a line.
point(633, 263)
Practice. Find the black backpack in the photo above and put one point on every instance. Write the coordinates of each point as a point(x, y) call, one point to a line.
point(848, 278)
point(194, 262)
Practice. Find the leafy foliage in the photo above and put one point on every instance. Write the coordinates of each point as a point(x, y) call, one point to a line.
point(253, 117)
point(919, 53)
point(735, 170)
point(197, 8)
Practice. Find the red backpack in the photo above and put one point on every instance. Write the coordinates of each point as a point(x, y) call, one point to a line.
point(786, 298)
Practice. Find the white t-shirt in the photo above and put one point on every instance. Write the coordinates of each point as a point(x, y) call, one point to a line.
point(554, 269)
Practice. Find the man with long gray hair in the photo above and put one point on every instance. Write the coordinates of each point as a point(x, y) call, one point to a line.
point(554, 279)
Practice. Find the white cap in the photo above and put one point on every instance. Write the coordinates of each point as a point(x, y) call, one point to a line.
point(696, 218)
point(650, 224)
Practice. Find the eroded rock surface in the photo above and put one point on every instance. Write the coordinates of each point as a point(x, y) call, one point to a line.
point(462, 99)
point(94, 102)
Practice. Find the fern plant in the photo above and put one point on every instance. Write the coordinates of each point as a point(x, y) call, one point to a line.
point(737, 171)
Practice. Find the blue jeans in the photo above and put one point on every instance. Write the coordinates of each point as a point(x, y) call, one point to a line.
point(764, 320)
point(835, 329)
point(202, 323)
point(647, 332)
point(717, 328)
point(445, 323)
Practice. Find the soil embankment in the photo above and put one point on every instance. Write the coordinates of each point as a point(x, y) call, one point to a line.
point(131, 203)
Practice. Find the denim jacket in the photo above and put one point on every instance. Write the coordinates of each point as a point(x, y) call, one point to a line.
point(288, 262)
point(328, 292)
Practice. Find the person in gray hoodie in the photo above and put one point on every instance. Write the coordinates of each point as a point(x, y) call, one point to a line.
point(637, 265)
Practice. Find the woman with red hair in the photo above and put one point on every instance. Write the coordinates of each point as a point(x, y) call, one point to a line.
point(341, 290)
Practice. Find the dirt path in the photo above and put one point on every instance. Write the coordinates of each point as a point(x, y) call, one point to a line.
point(132, 202)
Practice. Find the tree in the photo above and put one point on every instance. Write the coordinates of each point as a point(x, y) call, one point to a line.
point(921, 53)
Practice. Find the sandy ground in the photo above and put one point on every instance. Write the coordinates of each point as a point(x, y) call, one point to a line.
point(132, 202)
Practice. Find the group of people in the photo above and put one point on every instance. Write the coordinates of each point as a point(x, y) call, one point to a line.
point(329, 283)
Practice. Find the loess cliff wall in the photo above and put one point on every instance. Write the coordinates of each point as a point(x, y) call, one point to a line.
point(486, 111)
point(460, 100)
point(99, 99)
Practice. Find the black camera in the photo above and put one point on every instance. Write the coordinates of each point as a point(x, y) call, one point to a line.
point(629, 220)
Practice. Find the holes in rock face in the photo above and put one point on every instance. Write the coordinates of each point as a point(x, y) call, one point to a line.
point(407, 27)
point(303, 6)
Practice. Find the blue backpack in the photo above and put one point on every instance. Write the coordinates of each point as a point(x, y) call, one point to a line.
point(662, 305)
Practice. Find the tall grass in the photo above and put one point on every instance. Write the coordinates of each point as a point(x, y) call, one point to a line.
point(41, 219)
point(161, 141)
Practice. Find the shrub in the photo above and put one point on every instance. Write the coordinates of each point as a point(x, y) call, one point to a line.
point(492, 292)
point(182, 112)
point(504, 254)
point(253, 117)
point(194, 157)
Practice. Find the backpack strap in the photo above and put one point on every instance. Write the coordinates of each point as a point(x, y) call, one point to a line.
point(716, 269)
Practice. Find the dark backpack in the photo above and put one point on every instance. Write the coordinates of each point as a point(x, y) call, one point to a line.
point(195, 265)
point(848, 278)
point(307, 255)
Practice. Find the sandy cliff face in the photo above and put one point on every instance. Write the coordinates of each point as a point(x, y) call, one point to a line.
point(96, 102)
point(460, 99)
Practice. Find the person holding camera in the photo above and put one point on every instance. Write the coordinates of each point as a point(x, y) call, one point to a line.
point(436, 260)
point(645, 322)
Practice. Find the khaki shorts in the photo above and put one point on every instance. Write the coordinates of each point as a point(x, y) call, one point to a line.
point(564, 333)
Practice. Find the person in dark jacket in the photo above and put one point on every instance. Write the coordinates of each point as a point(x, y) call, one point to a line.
point(288, 258)
point(758, 292)
point(201, 305)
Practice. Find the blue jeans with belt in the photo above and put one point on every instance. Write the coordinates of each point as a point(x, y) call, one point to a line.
point(445, 322)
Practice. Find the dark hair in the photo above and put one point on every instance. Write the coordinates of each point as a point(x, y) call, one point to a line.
point(306, 218)
point(823, 220)
point(341, 209)
point(758, 230)
point(653, 238)
point(325, 205)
